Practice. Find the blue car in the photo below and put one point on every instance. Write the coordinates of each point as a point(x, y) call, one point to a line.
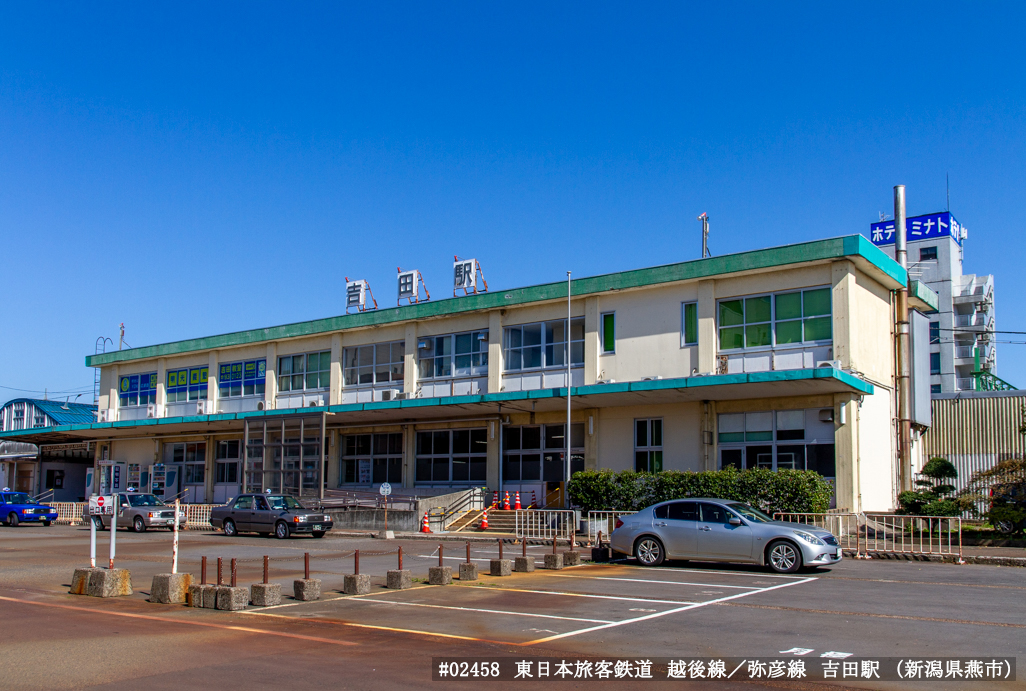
point(16, 507)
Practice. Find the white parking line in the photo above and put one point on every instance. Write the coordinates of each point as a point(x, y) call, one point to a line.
point(663, 614)
point(725, 573)
point(589, 595)
point(646, 580)
point(486, 611)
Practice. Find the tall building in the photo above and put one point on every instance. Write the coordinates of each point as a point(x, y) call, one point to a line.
point(962, 330)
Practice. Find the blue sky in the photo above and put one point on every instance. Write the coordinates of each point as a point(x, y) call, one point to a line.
point(191, 169)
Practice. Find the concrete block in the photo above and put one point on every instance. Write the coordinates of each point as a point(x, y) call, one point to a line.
point(571, 558)
point(265, 594)
point(398, 580)
point(307, 589)
point(170, 588)
point(80, 580)
point(109, 583)
point(232, 599)
point(356, 584)
point(197, 593)
point(210, 596)
point(523, 564)
point(440, 575)
point(554, 561)
point(500, 567)
point(468, 571)
point(601, 554)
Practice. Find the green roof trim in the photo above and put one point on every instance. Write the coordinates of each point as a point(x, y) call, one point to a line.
point(857, 247)
point(919, 292)
point(846, 378)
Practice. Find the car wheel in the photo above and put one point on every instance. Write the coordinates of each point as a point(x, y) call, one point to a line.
point(1005, 527)
point(229, 528)
point(98, 522)
point(649, 551)
point(281, 530)
point(783, 557)
point(46, 523)
point(139, 525)
point(318, 533)
point(12, 519)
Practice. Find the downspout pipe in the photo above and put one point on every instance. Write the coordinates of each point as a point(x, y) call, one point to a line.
point(904, 379)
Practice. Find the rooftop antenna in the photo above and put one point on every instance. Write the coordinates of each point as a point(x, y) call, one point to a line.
point(65, 406)
point(121, 341)
point(704, 218)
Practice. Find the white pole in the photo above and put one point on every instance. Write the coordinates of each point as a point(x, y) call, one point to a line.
point(92, 541)
point(174, 543)
point(113, 529)
point(566, 432)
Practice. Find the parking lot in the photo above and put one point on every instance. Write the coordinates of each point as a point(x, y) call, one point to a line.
point(856, 608)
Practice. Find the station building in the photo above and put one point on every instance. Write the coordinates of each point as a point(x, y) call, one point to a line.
point(776, 358)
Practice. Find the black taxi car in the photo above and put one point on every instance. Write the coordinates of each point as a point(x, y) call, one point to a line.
point(267, 514)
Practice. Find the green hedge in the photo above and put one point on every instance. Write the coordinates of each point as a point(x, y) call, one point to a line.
point(796, 491)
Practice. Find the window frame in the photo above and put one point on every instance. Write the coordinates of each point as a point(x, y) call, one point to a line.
point(187, 391)
point(370, 456)
point(923, 251)
point(603, 338)
point(648, 448)
point(304, 375)
point(773, 321)
point(479, 370)
point(774, 439)
point(684, 341)
point(395, 378)
point(576, 344)
point(935, 358)
point(935, 333)
point(511, 456)
point(131, 390)
point(451, 456)
point(245, 376)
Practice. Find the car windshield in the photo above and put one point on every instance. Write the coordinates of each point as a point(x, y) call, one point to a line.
point(20, 498)
point(144, 500)
point(749, 513)
point(283, 503)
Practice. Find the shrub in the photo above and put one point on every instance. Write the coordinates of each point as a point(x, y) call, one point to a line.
point(932, 498)
point(795, 491)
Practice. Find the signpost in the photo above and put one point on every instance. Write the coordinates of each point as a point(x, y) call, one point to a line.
point(384, 490)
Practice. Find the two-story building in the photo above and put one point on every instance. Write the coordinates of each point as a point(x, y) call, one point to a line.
point(776, 358)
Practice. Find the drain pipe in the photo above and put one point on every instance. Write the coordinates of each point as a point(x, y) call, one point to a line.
point(902, 329)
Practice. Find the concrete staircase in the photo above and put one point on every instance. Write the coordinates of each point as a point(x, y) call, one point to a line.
point(500, 522)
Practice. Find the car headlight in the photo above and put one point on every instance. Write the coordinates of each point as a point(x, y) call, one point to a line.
point(808, 537)
point(150, 515)
point(327, 518)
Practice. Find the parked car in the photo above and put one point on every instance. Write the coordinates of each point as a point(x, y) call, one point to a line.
point(139, 511)
point(1008, 507)
point(265, 514)
point(18, 507)
point(721, 530)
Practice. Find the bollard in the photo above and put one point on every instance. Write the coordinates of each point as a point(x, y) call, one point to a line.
point(468, 551)
point(600, 539)
point(553, 545)
point(525, 548)
point(441, 574)
point(203, 571)
point(266, 560)
point(468, 570)
point(440, 548)
point(400, 558)
point(307, 588)
point(500, 566)
point(500, 548)
point(306, 565)
point(220, 578)
point(356, 584)
point(399, 579)
point(234, 584)
point(356, 563)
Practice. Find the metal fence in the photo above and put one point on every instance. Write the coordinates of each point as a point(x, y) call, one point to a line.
point(603, 522)
point(869, 533)
point(544, 524)
point(197, 516)
point(69, 512)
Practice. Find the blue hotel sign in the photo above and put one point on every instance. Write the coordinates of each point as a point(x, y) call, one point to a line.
point(919, 228)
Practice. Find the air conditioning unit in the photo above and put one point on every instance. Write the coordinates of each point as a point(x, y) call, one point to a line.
point(203, 407)
point(105, 415)
point(315, 402)
point(402, 396)
point(261, 405)
point(836, 364)
point(151, 411)
point(390, 394)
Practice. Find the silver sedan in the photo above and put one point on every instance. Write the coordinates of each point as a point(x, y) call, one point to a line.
point(722, 530)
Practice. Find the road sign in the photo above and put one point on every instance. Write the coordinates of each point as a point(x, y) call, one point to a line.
point(101, 506)
point(385, 489)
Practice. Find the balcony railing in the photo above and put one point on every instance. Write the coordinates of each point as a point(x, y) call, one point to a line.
point(971, 320)
point(964, 384)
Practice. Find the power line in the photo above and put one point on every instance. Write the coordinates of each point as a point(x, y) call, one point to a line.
point(63, 392)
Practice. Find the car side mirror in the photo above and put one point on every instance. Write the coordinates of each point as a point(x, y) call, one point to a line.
point(734, 520)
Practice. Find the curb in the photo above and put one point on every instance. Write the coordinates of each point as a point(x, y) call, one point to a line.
point(944, 558)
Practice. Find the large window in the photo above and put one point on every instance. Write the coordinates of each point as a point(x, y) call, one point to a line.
point(609, 332)
point(543, 345)
point(802, 316)
point(648, 445)
point(773, 441)
point(454, 355)
point(458, 455)
point(935, 363)
point(193, 455)
point(138, 389)
point(38, 418)
point(934, 332)
point(187, 384)
point(227, 461)
point(537, 453)
point(689, 324)
point(244, 378)
point(372, 458)
point(19, 416)
point(306, 372)
point(381, 363)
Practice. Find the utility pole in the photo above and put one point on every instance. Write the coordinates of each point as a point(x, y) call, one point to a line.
point(904, 380)
point(566, 432)
point(704, 218)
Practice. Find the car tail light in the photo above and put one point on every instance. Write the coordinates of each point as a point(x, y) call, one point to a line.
point(619, 524)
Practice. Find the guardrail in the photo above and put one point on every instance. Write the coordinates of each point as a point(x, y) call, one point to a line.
point(603, 522)
point(544, 524)
point(869, 533)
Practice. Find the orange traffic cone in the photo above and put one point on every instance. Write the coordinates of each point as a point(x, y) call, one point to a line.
point(495, 498)
point(484, 520)
point(517, 505)
point(534, 500)
point(505, 502)
point(424, 527)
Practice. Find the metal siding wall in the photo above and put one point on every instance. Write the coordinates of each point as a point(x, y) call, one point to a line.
point(977, 426)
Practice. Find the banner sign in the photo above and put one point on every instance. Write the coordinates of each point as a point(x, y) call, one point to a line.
point(919, 228)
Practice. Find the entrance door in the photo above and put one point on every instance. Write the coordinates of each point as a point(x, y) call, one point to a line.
point(717, 538)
